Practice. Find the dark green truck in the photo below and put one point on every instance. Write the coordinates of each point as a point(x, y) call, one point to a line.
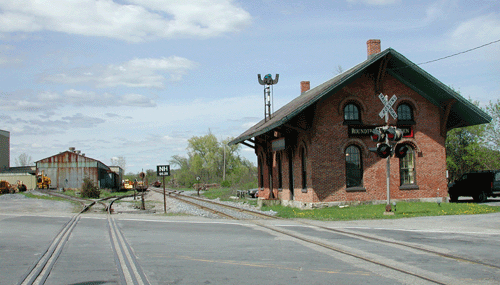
point(479, 185)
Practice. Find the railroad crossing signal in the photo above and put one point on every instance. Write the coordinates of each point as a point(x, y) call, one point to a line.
point(384, 136)
point(400, 150)
point(387, 106)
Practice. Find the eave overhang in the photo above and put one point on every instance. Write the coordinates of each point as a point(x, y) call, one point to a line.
point(461, 113)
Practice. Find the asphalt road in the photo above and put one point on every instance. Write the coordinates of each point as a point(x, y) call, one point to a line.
point(195, 250)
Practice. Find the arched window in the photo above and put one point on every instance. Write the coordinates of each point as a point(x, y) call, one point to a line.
point(351, 114)
point(353, 167)
point(280, 170)
point(261, 172)
point(405, 114)
point(303, 167)
point(407, 167)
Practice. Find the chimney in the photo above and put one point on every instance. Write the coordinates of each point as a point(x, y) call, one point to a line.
point(304, 86)
point(373, 47)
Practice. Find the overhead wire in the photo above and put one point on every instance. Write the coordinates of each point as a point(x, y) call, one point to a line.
point(445, 57)
point(462, 52)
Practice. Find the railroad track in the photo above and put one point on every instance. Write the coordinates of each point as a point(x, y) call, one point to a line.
point(186, 199)
point(415, 272)
point(39, 272)
point(131, 272)
point(128, 266)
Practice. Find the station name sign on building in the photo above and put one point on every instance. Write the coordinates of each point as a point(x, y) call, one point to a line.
point(278, 144)
point(358, 131)
point(163, 170)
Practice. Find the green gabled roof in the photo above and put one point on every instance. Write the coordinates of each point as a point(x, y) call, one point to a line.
point(462, 113)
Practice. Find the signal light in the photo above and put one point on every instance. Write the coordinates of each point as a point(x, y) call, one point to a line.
point(384, 150)
point(400, 150)
point(378, 135)
point(394, 134)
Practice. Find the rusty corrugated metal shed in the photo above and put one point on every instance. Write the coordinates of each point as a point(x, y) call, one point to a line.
point(68, 169)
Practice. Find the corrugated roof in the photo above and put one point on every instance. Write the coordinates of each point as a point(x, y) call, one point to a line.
point(463, 113)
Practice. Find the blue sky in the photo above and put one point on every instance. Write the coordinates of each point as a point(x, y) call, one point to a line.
point(137, 79)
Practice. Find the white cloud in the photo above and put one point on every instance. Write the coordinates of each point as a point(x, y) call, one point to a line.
point(479, 30)
point(140, 72)
point(136, 21)
point(48, 101)
point(375, 2)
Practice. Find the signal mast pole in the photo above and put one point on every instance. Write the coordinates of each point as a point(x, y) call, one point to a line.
point(267, 82)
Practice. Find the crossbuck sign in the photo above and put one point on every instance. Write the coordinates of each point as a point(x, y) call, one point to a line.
point(387, 107)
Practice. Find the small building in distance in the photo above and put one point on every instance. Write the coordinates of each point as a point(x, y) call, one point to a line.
point(4, 150)
point(68, 169)
point(316, 150)
point(24, 174)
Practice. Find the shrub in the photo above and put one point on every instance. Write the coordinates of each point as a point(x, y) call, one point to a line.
point(225, 183)
point(89, 190)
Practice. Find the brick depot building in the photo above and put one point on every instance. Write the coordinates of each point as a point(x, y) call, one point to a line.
point(316, 150)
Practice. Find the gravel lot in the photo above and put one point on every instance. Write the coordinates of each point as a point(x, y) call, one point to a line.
point(154, 204)
point(18, 203)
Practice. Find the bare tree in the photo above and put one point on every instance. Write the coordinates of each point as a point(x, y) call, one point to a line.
point(119, 161)
point(24, 160)
point(339, 69)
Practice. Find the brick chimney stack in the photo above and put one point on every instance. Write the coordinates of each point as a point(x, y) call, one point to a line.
point(373, 47)
point(304, 86)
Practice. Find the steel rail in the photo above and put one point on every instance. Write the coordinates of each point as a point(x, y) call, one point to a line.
point(130, 270)
point(203, 207)
point(39, 272)
point(126, 261)
point(403, 244)
point(214, 203)
point(363, 236)
point(339, 250)
point(255, 213)
point(322, 244)
point(350, 234)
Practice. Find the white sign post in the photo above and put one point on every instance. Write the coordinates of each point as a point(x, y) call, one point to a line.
point(385, 113)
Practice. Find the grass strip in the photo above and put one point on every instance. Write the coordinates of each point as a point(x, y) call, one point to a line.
point(367, 212)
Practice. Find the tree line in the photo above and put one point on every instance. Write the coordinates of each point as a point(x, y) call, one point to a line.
point(474, 148)
point(211, 161)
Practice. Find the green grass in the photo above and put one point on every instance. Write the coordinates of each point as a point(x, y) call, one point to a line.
point(224, 194)
point(366, 212)
point(43, 197)
point(104, 193)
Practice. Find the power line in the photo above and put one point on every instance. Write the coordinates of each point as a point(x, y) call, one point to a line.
point(460, 52)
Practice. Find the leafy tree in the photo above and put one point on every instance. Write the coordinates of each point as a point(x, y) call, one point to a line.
point(492, 131)
point(474, 148)
point(213, 162)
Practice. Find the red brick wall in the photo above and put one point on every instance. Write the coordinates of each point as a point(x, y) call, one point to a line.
point(326, 139)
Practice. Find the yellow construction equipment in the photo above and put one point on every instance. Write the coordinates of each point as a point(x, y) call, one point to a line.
point(43, 181)
point(127, 185)
point(4, 187)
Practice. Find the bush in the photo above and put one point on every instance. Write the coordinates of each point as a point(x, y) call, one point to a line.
point(89, 190)
point(225, 183)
